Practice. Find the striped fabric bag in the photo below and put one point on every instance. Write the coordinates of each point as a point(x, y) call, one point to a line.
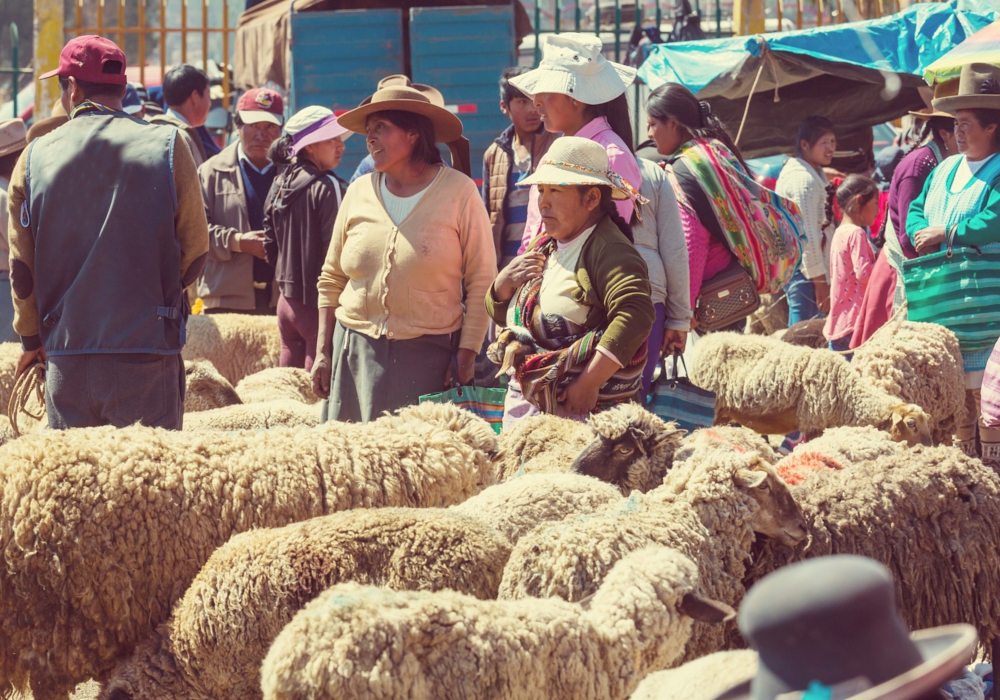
point(675, 398)
point(484, 402)
point(958, 288)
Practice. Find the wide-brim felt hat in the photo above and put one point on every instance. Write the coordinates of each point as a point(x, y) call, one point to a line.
point(829, 627)
point(978, 88)
point(949, 88)
point(573, 65)
point(447, 127)
point(572, 161)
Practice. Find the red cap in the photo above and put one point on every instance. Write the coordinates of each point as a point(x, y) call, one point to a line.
point(261, 105)
point(86, 58)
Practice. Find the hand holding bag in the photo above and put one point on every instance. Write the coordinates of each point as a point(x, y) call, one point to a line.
point(484, 402)
point(675, 398)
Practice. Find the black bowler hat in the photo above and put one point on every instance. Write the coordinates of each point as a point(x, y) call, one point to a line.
point(828, 629)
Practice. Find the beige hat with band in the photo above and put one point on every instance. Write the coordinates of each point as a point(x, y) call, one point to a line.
point(13, 136)
point(447, 127)
point(573, 65)
point(978, 88)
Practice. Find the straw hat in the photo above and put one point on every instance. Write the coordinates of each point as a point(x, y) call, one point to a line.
point(949, 88)
point(574, 161)
point(447, 127)
point(978, 88)
point(829, 627)
point(572, 64)
point(13, 136)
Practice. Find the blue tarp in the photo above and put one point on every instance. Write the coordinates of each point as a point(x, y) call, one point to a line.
point(906, 43)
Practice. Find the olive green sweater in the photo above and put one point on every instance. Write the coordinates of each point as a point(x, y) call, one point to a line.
point(614, 283)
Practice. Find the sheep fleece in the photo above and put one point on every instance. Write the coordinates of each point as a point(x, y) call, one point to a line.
point(220, 631)
point(237, 344)
point(356, 642)
point(102, 530)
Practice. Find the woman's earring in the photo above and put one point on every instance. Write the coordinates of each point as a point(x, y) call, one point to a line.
point(574, 103)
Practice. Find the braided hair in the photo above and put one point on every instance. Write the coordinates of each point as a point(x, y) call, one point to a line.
point(673, 101)
point(931, 128)
point(610, 210)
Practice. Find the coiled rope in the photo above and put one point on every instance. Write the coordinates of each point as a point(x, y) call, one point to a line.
point(31, 382)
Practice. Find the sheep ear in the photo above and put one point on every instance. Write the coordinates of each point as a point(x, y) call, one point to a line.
point(705, 609)
point(750, 479)
point(509, 357)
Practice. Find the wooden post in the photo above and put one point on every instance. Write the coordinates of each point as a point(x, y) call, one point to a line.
point(748, 17)
point(49, 22)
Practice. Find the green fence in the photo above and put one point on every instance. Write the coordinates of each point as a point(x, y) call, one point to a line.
point(14, 70)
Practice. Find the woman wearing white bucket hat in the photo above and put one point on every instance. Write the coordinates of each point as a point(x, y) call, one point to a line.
point(581, 290)
point(581, 93)
point(298, 223)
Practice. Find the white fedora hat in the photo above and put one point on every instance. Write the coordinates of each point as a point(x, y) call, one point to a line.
point(572, 64)
point(575, 162)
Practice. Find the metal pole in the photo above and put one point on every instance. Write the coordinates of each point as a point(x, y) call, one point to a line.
point(718, 18)
point(225, 54)
point(659, 14)
point(15, 64)
point(577, 14)
point(538, 22)
point(557, 9)
point(142, 41)
point(618, 31)
point(597, 18)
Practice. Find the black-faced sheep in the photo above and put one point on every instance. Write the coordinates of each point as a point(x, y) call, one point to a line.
point(237, 344)
point(219, 632)
point(715, 501)
point(102, 530)
point(356, 642)
point(775, 388)
point(932, 515)
point(626, 446)
point(206, 389)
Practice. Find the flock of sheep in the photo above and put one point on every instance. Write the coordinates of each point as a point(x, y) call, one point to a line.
point(258, 554)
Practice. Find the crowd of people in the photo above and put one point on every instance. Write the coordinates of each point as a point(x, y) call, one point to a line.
point(390, 287)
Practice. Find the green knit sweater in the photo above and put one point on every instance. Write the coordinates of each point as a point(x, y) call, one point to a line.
point(614, 283)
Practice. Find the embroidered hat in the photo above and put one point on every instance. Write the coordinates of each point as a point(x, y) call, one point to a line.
point(261, 105)
point(447, 127)
point(572, 64)
point(828, 628)
point(312, 125)
point(13, 136)
point(575, 161)
point(92, 59)
point(978, 88)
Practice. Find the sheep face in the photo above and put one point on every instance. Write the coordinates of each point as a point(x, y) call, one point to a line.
point(777, 515)
point(616, 461)
point(910, 425)
point(510, 349)
point(206, 388)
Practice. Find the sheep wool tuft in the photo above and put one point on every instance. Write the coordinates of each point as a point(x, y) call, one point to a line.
point(10, 355)
point(251, 587)
point(930, 514)
point(702, 679)
point(356, 642)
point(102, 530)
point(237, 344)
point(206, 389)
point(921, 364)
point(560, 439)
point(255, 416)
point(517, 506)
point(291, 383)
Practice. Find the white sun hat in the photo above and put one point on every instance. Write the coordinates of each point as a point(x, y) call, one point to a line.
point(573, 161)
point(572, 64)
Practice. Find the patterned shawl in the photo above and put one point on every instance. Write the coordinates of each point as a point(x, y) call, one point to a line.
point(571, 348)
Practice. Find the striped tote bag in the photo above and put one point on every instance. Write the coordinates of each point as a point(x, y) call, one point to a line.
point(484, 402)
point(675, 398)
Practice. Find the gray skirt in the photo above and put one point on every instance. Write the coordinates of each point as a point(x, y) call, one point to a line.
point(370, 376)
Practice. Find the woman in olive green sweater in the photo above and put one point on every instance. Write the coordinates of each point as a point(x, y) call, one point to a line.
point(581, 290)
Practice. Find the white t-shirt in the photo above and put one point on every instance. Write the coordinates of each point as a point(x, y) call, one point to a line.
point(966, 170)
point(559, 281)
point(399, 208)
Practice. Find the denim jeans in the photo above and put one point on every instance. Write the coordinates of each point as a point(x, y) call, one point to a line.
point(801, 295)
point(841, 344)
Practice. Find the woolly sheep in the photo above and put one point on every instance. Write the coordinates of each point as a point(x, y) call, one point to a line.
point(808, 334)
point(10, 355)
point(921, 364)
point(626, 445)
point(930, 514)
point(356, 642)
point(702, 679)
point(237, 344)
point(517, 506)
point(206, 389)
point(836, 448)
point(255, 416)
point(277, 383)
point(102, 530)
point(770, 317)
point(250, 588)
point(711, 505)
point(777, 388)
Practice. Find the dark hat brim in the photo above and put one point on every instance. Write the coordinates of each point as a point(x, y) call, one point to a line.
point(945, 651)
point(447, 127)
